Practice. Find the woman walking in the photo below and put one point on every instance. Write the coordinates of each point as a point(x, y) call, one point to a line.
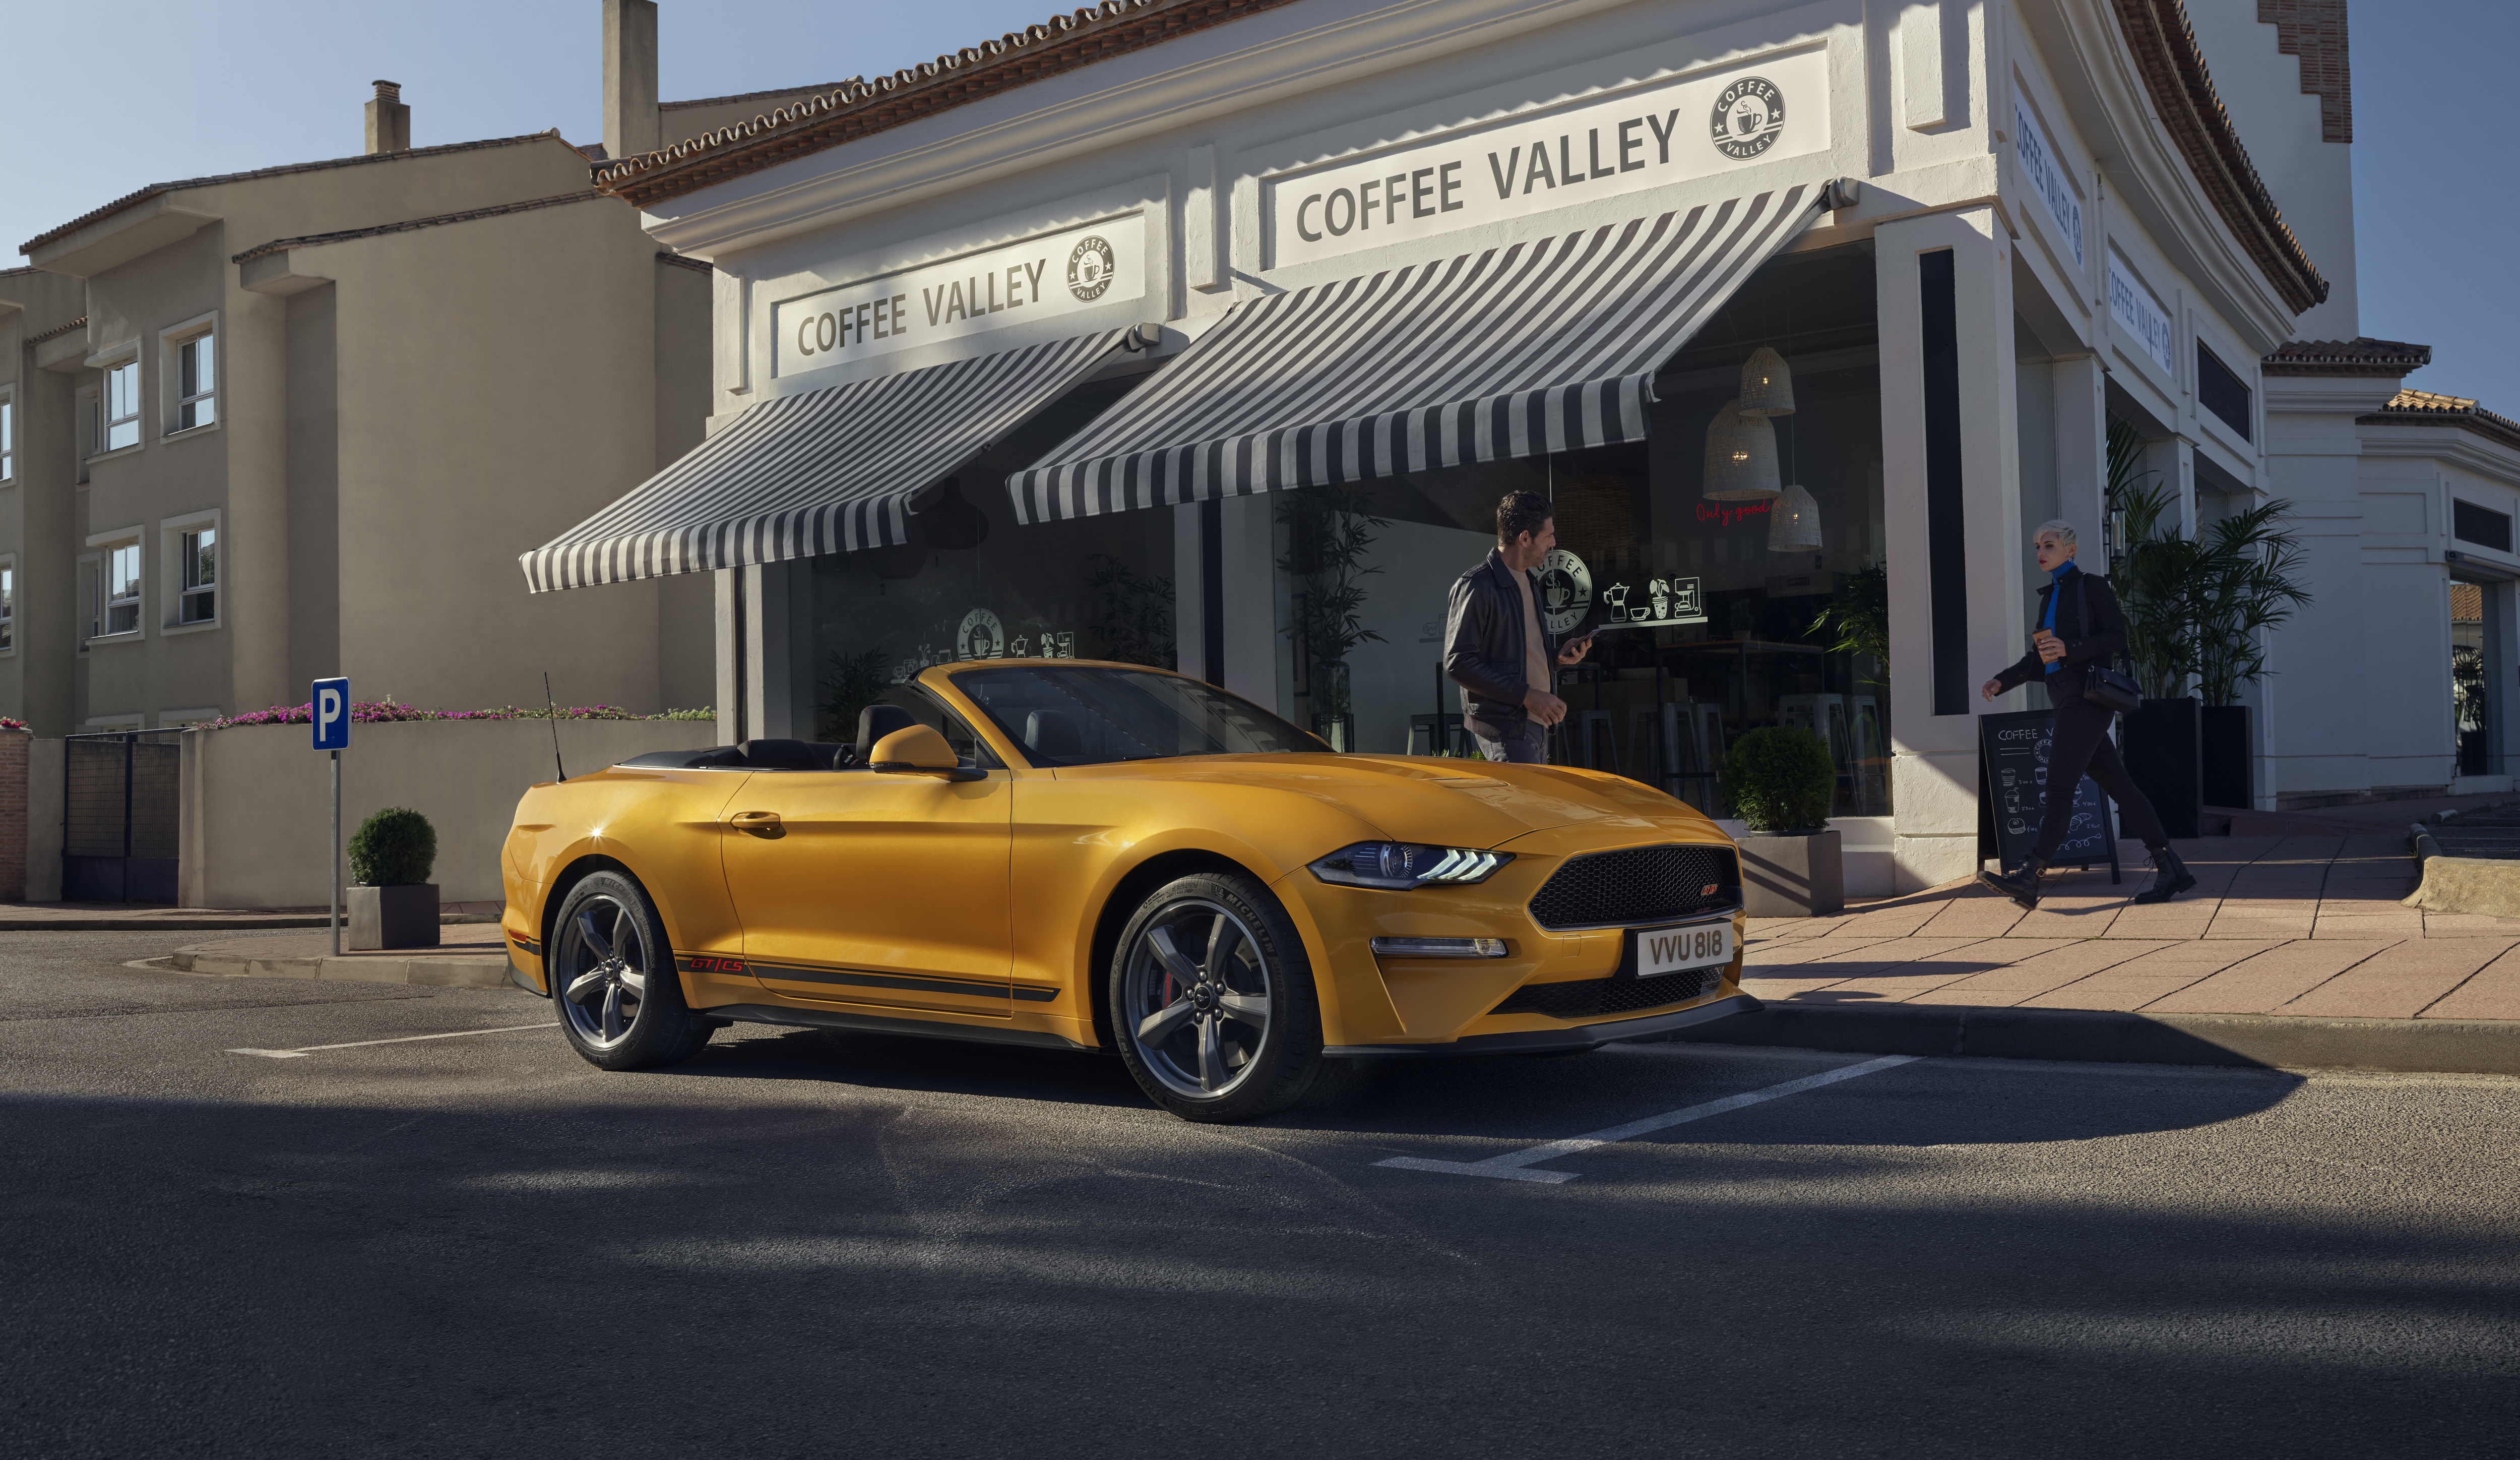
point(2078, 626)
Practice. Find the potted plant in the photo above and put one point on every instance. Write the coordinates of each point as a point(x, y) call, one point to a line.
point(2197, 609)
point(1328, 530)
point(394, 904)
point(1779, 782)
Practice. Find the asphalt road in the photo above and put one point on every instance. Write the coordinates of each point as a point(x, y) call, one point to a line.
point(804, 1244)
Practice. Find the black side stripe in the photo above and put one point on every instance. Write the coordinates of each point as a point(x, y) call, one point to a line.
point(970, 987)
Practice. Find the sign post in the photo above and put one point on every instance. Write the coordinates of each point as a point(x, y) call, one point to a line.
point(330, 712)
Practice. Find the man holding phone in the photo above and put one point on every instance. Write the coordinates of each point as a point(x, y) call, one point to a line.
point(1496, 647)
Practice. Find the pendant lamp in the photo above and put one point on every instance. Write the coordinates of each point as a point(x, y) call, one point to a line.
point(1741, 457)
point(1767, 384)
point(1793, 522)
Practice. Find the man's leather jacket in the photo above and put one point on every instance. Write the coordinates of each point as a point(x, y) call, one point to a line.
point(1483, 647)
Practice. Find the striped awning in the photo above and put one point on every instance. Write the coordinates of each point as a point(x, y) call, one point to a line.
point(1517, 350)
point(826, 471)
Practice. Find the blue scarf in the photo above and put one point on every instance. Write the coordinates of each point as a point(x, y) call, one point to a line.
point(2057, 574)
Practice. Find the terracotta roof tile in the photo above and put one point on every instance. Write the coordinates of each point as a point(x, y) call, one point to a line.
point(2174, 72)
point(2356, 357)
point(859, 109)
point(757, 96)
point(2426, 408)
point(154, 190)
point(407, 225)
point(58, 331)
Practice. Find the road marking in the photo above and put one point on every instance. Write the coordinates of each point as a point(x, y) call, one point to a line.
point(1513, 1165)
point(299, 1054)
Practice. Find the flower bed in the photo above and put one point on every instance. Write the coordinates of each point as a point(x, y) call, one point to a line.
point(370, 711)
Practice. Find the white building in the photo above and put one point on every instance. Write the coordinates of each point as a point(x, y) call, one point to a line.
point(1065, 344)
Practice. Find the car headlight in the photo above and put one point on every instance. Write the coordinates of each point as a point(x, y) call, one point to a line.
point(1398, 866)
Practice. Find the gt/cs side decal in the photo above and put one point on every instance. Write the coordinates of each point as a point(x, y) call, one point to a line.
point(799, 972)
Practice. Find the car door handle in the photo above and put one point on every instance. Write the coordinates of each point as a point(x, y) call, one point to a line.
point(758, 823)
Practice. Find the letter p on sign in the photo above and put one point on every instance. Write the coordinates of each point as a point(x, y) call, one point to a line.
point(332, 706)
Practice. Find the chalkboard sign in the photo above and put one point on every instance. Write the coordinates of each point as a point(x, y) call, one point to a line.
point(2012, 760)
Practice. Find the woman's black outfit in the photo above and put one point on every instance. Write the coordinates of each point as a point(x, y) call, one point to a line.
point(2081, 746)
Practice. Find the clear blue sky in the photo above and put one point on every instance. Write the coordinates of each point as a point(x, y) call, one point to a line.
point(166, 91)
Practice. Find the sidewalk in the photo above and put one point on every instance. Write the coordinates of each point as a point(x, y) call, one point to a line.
point(2308, 926)
point(140, 917)
point(468, 955)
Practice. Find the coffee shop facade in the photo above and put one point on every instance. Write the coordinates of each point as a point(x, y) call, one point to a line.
point(1208, 334)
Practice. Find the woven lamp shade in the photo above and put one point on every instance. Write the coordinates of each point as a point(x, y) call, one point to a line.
point(1767, 384)
point(1793, 522)
point(1741, 457)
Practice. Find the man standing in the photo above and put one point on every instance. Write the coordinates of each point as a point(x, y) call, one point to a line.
point(1494, 645)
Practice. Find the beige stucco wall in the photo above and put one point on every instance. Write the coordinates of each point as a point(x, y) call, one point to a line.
point(257, 801)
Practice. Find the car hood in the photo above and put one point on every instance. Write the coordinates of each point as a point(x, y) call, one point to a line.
point(1452, 802)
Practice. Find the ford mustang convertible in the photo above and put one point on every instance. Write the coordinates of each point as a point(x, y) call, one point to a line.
point(1100, 856)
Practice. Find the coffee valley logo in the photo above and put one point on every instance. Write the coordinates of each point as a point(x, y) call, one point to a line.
point(1565, 590)
point(981, 636)
point(1090, 267)
point(1748, 115)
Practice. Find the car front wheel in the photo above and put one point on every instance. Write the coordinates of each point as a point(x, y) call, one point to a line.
point(613, 977)
point(1212, 1000)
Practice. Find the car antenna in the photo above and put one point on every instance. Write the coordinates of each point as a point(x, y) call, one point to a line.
point(553, 709)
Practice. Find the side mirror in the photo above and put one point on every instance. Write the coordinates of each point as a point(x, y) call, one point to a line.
point(918, 751)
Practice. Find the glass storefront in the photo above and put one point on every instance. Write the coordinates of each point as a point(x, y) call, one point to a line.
point(2467, 686)
point(1707, 609)
point(975, 584)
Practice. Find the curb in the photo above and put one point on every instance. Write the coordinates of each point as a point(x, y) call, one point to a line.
point(461, 971)
point(2248, 1041)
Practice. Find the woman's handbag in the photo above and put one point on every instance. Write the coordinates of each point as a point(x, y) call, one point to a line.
point(2103, 684)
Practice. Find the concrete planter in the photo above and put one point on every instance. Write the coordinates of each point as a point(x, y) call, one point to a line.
point(2225, 760)
point(2165, 756)
point(1792, 874)
point(402, 915)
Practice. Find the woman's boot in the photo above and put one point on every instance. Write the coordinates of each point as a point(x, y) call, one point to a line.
point(2171, 877)
point(2020, 886)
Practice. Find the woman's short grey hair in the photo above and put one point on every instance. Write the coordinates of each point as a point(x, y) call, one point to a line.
point(2064, 531)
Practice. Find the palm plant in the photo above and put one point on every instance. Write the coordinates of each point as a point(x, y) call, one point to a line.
point(1328, 530)
point(2196, 608)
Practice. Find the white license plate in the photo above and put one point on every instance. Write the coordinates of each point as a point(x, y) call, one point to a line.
point(1668, 951)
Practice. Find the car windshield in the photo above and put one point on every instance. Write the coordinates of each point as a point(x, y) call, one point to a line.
point(1092, 717)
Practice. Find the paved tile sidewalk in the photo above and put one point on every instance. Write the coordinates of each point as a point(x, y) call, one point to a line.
point(2302, 925)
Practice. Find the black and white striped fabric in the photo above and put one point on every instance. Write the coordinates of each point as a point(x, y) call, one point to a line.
point(1517, 350)
point(820, 472)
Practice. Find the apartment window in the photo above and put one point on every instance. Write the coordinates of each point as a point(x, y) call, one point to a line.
point(8, 605)
point(119, 584)
point(188, 355)
point(121, 405)
point(2482, 525)
point(2220, 391)
point(198, 581)
point(7, 437)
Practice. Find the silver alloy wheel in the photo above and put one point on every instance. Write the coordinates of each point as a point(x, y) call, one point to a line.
point(1196, 993)
point(603, 960)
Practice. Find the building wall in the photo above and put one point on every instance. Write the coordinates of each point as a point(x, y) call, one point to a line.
point(2309, 173)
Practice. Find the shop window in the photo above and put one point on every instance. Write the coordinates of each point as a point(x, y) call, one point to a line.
point(2220, 391)
point(120, 427)
point(2470, 695)
point(2482, 525)
point(973, 583)
point(1711, 616)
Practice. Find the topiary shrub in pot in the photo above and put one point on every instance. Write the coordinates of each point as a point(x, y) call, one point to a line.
point(1780, 782)
point(394, 904)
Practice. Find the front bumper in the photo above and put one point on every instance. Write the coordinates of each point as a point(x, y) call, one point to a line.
point(1549, 1041)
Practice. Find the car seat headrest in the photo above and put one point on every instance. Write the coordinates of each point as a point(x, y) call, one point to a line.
point(877, 721)
point(1050, 733)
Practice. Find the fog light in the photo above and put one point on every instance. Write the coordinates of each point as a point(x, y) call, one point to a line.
point(1440, 948)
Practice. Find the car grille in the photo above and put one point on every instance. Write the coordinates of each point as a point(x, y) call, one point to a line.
point(1642, 885)
point(1619, 993)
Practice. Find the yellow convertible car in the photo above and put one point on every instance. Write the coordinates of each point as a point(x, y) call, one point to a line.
point(1101, 856)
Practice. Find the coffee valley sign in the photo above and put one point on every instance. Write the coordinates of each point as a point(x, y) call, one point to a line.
point(1641, 138)
point(1067, 272)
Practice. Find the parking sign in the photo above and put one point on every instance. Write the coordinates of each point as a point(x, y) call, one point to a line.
point(332, 713)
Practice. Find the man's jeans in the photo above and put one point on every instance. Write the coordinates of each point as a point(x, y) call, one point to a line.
point(1528, 747)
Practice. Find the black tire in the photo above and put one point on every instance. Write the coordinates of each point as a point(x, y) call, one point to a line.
point(1234, 1042)
point(611, 975)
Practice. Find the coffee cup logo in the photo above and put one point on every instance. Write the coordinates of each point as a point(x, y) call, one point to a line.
point(1565, 591)
point(1748, 115)
point(982, 635)
point(1090, 267)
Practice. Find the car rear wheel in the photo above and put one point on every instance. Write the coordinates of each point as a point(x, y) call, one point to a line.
point(612, 974)
point(1213, 1003)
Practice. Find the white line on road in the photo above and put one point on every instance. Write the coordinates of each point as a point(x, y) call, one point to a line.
point(299, 1054)
point(1511, 1167)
